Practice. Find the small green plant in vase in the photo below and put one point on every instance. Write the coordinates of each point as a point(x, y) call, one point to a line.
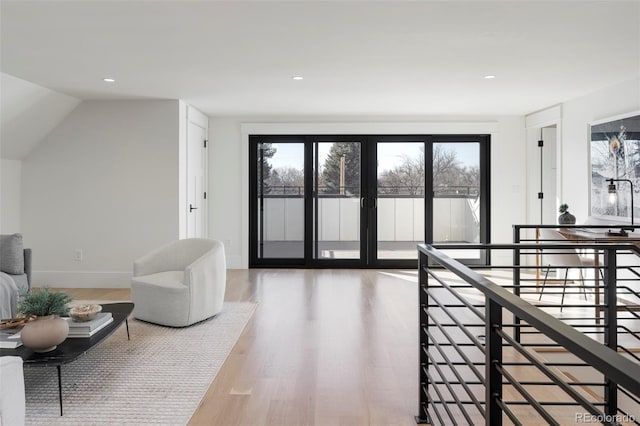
point(43, 302)
point(48, 330)
point(565, 217)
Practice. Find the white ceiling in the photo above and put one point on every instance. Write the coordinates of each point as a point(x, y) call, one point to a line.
point(358, 58)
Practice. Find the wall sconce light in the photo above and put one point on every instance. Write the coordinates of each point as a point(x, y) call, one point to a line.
point(612, 199)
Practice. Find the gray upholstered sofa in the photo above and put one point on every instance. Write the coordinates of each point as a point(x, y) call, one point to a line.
point(15, 273)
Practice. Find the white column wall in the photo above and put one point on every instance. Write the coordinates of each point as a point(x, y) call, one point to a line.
point(228, 203)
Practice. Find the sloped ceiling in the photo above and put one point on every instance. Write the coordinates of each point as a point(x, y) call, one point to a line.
point(28, 113)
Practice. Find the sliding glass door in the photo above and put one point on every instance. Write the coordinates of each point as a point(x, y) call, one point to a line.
point(337, 196)
point(366, 201)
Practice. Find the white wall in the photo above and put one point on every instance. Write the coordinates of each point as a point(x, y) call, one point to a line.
point(10, 196)
point(576, 116)
point(28, 112)
point(104, 181)
point(508, 182)
point(228, 166)
point(226, 187)
point(572, 119)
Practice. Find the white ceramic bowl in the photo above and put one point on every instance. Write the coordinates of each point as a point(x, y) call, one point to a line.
point(83, 313)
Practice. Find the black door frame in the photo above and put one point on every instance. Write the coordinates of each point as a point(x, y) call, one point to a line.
point(372, 195)
point(368, 193)
point(312, 220)
point(256, 205)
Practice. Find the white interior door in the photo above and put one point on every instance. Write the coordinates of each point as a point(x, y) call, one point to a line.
point(542, 175)
point(196, 178)
point(549, 176)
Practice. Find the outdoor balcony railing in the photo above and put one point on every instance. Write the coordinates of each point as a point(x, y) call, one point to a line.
point(401, 215)
point(460, 191)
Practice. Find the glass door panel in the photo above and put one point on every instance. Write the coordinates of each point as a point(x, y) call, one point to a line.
point(400, 199)
point(280, 200)
point(457, 196)
point(336, 200)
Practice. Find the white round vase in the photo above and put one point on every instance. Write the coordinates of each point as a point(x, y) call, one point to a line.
point(45, 333)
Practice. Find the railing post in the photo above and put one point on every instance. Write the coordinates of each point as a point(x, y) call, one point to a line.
point(610, 325)
point(423, 298)
point(493, 358)
point(516, 278)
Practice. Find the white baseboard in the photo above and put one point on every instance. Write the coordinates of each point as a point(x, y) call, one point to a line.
point(81, 279)
point(96, 279)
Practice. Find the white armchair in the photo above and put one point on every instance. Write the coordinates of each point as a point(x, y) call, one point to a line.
point(12, 402)
point(181, 283)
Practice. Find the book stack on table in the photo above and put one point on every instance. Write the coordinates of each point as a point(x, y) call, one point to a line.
point(89, 328)
point(10, 339)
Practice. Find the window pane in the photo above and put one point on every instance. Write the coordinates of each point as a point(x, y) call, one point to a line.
point(400, 199)
point(336, 204)
point(456, 201)
point(280, 200)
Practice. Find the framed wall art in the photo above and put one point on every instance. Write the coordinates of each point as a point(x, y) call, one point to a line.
point(615, 166)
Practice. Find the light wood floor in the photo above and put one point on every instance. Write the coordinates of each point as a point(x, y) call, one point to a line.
point(324, 347)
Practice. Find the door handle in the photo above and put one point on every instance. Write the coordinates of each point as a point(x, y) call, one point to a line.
point(361, 202)
point(191, 208)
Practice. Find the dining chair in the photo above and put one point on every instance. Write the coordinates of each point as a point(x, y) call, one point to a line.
point(562, 259)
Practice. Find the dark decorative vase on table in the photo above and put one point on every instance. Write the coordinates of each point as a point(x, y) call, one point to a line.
point(565, 217)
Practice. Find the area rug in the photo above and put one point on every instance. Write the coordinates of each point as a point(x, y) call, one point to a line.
point(158, 377)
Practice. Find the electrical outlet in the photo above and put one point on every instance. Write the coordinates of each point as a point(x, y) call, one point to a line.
point(227, 243)
point(78, 255)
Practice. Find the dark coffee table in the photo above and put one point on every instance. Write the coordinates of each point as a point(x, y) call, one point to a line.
point(73, 348)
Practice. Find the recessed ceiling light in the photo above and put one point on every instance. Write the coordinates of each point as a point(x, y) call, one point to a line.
point(489, 77)
point(297, 77)
point(108, 80)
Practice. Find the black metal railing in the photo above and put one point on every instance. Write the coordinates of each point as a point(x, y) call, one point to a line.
point(494, 352)
point(625, 264)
